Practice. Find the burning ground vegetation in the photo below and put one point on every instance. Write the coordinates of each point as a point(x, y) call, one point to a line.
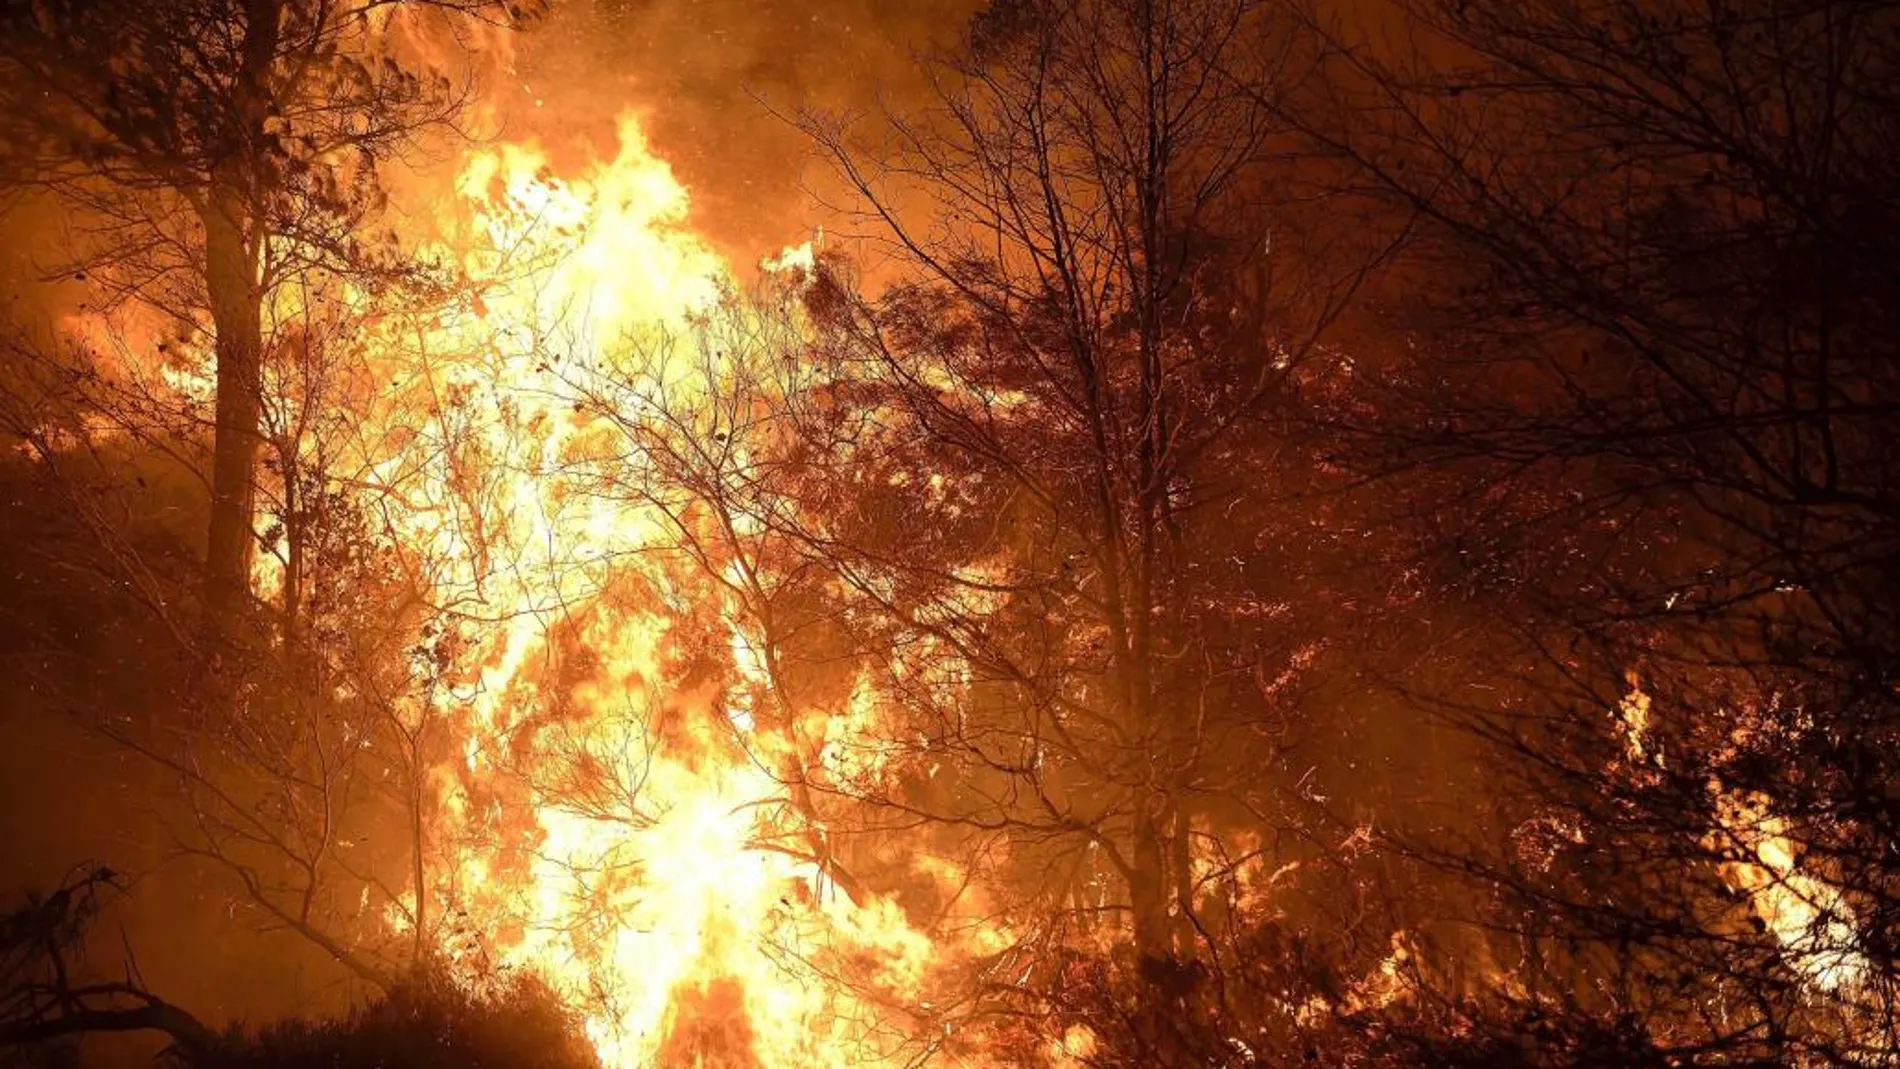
point(1215, 534)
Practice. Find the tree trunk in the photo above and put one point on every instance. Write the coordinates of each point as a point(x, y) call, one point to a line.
point(1166, 974)
point(234, 285)
point(231, 281)
point(418, 844)
point(1148, 893)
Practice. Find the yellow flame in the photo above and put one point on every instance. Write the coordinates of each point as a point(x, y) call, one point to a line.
point(1808, 916)
point(633, 854)
point(632, 846)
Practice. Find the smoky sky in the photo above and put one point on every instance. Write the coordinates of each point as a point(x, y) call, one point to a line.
point(706, 76)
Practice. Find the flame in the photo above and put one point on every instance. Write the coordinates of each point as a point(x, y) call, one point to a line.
point(1809, 917)
point(594, 821)
point(1073, 1049)
point(624, 841)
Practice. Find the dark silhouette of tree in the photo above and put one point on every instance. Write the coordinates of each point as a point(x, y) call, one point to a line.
point(45, 993)
point(1642, 430)
point(1048, 419)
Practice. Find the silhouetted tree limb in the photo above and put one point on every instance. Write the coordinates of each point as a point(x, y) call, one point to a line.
point(42, 945)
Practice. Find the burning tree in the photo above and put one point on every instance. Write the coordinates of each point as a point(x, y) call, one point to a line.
point(221, 154)
point(310, 792)
point(243, 281)
point(1004, 518)
point(1041, 430)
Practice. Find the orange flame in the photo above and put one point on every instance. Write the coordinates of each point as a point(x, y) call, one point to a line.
point(614, 838)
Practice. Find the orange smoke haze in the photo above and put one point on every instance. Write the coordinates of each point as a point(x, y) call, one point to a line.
point(703, 77)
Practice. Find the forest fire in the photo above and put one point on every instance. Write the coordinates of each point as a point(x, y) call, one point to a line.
point(598, 823)
point(1266, 535)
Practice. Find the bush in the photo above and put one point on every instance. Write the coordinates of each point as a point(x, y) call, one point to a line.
point(423, 1025)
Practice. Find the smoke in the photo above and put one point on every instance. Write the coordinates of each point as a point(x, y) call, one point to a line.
point(706, 77)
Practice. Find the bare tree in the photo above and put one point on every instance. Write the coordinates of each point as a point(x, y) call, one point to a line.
point(1645, 423)
point(1100, 301)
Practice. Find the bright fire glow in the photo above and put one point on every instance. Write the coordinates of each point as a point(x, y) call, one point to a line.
point(592, 820)
point(625, 842)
